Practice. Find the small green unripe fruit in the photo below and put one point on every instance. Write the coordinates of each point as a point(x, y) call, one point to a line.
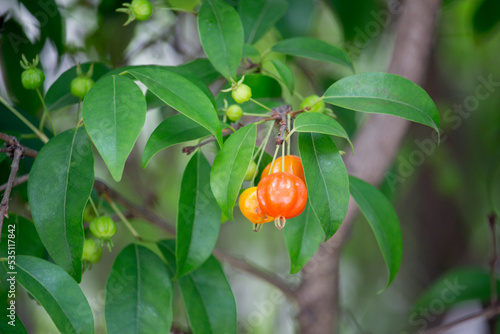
point(234, 112)
point(315, 102)
point(250, 171)
point(103, 227)
point(80, 86)
point(242, 93)
point(91, 251)
point(142, 9)
point(32, 78)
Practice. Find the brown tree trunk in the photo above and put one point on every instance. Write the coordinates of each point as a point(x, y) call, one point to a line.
point(376, 147)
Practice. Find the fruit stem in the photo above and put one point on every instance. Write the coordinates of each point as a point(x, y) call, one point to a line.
point(289, 119)
point(93, 206)
point(283, 156)
point(124, 219)
point(262, 148)
point(78, 112)
point(33, 128)
point(46, 114)
point(260, 104)
point(274, 159)
point(254, 115)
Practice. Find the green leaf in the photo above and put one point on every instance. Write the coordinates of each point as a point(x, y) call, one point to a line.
point(384, 93)
point(209, 300)
point(182, 95)
point(249, 51)
point(383, 220)
point(203, 69)
point(138, 293)
point(114, 112)
point(59, 186)
point(303, 235)
point(285, 74)
point(263, 86)
point(57, 292)
point(457, 286)
point(326, 178)
point(221, 36)
point(198, 216)
point(27, 241)
point(315, 49)
point(59, 94)
point(230, 166)
point(258, 16)
point(175, 129)
point(320, 123)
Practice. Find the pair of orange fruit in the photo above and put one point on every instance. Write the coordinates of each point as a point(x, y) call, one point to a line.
point(281, 194)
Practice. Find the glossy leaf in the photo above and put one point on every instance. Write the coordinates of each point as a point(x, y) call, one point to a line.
point(319, 123)
point(230, 166)
point(27, 241)
point(457, 286)
point(285, 74)
point(114, 112)
point(258, 16)
point(203, 69)
point(250, 51)
point(326, 178)
point(58, 294)
point(263, 86)
point(303, 235)
point(198, 216)
point(384, 93)
point(383, 220)
point(59, 95)
point(59, 186)
point(138, 293)
point(207, 295)
point(315, 49)
point(175, 129)
point(182, 95)
point(221, 36)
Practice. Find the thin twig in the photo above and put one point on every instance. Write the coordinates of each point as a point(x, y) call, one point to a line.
point(493, 280)
point(250, 268)
point(11, 140)
point(190, 149)
point(4, 205)
point(485, 314)
point(17, 181)
point(283, 111)
point(135, 210)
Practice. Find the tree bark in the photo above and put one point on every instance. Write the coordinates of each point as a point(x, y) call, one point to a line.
point(376, 147)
